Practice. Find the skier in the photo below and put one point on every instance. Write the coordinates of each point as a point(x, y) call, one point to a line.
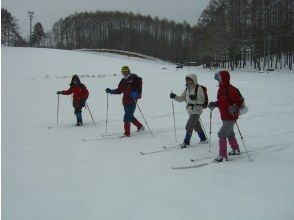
point(194, 96)
point(80, 95)
point(131, 87)
point(229, 102)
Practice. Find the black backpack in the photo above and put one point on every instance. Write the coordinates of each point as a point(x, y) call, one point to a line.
point(205, 104)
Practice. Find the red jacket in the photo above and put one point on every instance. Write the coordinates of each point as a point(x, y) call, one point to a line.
point(80, 94)
point(227, 95)
point(127, 85)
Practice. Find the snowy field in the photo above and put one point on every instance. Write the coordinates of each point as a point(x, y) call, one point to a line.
point(49, 173)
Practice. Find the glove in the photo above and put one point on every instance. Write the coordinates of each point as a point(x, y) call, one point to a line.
point(134, 94)
point(108, 90)
point(172, 95)
point(233, 109)
point(82, 103)
point(212, 105)
point(59, 92)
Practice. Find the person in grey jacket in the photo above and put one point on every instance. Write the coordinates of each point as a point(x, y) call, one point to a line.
point(194, 97)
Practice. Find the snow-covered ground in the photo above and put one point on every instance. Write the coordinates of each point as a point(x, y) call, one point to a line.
point(51, 174)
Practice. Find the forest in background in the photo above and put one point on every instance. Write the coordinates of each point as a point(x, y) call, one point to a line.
point(229, 34)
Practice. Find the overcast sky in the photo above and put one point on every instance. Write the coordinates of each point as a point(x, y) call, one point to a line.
point(49, 11)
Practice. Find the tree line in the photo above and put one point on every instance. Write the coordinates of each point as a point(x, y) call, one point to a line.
point(10, 35)
point(236, 32)
point(124, 31)
point(229, 33)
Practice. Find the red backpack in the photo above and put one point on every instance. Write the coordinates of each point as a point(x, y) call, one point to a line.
point(243, 109)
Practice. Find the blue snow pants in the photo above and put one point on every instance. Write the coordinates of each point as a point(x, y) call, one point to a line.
point(129, 112)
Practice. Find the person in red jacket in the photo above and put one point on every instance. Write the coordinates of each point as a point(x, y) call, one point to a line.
point(80, 95)
point(229, 102)
point(131, 87)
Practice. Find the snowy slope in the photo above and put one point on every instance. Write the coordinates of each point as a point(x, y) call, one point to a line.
point(52, 174)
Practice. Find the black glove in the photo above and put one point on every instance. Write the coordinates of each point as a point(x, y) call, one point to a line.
point(193, 97)
point(83, 102)
point(172, 95)
point(212, 105)
point(59, 92)
point(110, 91)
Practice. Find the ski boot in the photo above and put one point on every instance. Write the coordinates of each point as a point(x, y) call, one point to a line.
point(125, 136)
point(187, 139)
point(142, 128)
point(203, 142)
point(79, 124)
point(184, 145)
point(234, 152)
point(220, 159)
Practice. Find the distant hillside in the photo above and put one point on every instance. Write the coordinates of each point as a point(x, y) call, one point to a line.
point(121, 52)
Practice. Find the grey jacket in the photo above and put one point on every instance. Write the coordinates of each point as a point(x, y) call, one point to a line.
point(193, 105)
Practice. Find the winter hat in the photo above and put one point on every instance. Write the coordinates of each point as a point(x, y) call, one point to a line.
point(125, 69)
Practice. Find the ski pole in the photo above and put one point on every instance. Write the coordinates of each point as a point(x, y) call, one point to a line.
point(57, 108)
point(106, 120)
point(143, 118)
point(175, 130)
point(249, 159)
point(210, 118)
point(90, 113)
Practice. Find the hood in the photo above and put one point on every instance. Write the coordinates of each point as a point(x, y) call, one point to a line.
point(223, 77)
point(193, 77)
point(75, 77)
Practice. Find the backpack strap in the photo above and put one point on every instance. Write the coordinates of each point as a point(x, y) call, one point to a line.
point(196, 90)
